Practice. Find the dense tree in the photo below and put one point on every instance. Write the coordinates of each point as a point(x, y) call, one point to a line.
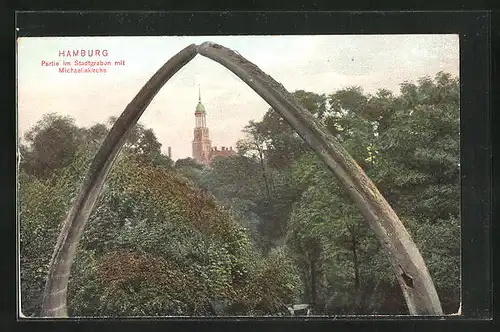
point(418, 171)
point(266, 154)
point(155, 245)
point(191, 169)
point(54, 141)
point(419, 154)
point(407, 143)
point(51, 144)
point(256, 231)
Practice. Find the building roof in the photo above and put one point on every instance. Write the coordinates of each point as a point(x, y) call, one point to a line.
point(200, 108)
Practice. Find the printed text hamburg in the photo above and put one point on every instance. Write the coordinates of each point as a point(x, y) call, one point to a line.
point(82, 66)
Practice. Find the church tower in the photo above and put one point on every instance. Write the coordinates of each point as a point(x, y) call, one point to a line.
point(202, 146)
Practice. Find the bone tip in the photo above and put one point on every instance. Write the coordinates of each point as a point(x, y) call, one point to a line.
point(208, 44)
point(203, 45)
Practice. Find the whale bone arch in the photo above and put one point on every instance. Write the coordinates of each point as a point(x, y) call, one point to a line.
point(405, 258)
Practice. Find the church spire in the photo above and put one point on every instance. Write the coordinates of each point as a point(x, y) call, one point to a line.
point(201, 142)
point(200, 109)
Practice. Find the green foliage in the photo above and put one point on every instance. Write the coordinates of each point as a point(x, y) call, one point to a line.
point(257, 231)
point(55, 141)
point(440, 246)
point(409, 146)
point(426, 172)
point(42, 208)
point(273, 285)
point(154, 245)
point(51, 144)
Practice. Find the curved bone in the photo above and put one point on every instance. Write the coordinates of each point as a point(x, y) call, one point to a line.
point(406, 260)
point(54, 302)
point(407, 263)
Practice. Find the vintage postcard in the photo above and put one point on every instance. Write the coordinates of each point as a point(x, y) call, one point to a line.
point(196, 176)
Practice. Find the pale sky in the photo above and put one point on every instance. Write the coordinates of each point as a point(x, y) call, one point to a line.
point(321, 64)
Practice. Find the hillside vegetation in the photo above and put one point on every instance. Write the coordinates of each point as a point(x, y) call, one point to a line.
point(257, 231)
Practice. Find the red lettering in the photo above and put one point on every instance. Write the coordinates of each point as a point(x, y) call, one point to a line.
point(82, 53)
